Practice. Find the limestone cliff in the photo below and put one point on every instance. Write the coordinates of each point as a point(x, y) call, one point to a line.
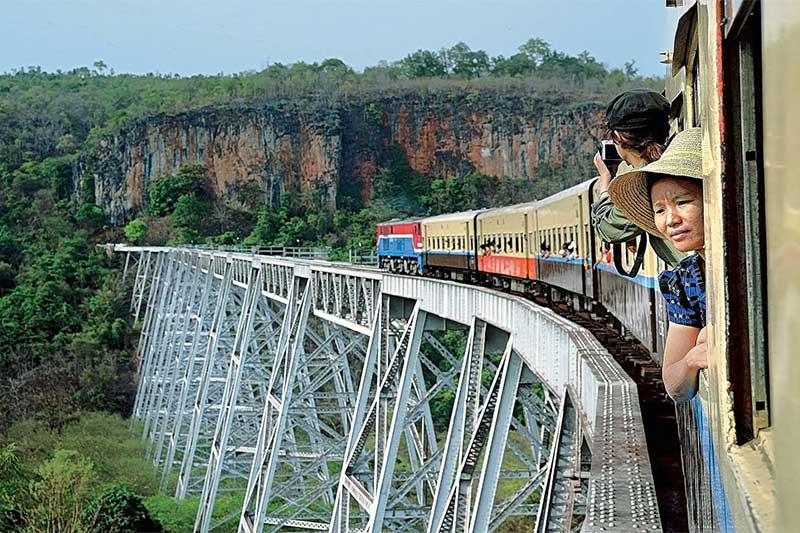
point(326, 150)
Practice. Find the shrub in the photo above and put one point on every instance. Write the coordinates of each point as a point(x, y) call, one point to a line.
point(116, 453)
point(90, 214)
point(12, 483)
point(58, 497)
point(189, 212)
point(136, 231)
point(165, 192)
point(117, 509)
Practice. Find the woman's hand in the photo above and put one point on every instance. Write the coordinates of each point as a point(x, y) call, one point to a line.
point(605, 174)
point(702, 337)
point(697, 357)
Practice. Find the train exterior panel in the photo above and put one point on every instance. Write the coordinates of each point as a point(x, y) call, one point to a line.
point(504, 241)
point(781, 68)
point(636, 302)
point(399, 246)
point(449, 242)
point(632, 301)
point(740, 432)
point(562, 219)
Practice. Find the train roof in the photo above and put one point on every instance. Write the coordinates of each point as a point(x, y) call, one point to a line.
point(461, 215)
point(400, 221)
point(566, 193)
point(510, 208)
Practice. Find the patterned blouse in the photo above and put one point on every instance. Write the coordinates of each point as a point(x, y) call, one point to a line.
point(684, 289)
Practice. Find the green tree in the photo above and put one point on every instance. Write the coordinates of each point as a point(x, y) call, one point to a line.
point(423, 64)
point(136, 231)
point(59, 496)
point(537, 50)
point(465, 63)
point(517, 65)
point(165, 192)
point(91, 215)
point(189, 212)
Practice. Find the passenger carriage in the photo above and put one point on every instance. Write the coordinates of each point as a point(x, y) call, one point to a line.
point(450, 245)
point(505, 241)
point(562, 219)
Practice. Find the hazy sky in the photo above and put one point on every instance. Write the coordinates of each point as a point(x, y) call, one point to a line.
point(210, 36)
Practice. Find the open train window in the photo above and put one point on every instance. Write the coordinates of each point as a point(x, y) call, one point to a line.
point(744, 224)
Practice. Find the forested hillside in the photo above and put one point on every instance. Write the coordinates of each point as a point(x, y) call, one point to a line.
point(67, 460)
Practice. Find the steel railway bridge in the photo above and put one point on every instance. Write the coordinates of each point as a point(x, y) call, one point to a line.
point(307, 389)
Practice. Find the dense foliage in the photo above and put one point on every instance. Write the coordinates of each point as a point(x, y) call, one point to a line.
point(89, 475)
point(45, 114)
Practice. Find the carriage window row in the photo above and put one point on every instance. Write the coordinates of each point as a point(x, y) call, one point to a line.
point(448, 242)
point(554, 238)
point(513, 243)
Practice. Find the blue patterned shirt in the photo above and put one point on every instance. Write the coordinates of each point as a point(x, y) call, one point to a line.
point(684, 289)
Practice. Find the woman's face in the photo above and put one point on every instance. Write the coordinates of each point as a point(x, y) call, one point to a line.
point(678, 211)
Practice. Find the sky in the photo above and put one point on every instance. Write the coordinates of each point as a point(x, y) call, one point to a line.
point(212, 36)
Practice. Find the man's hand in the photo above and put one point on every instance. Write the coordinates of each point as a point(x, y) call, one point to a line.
point(602, 170)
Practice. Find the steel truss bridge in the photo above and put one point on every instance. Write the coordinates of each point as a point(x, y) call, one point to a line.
point(326, 398)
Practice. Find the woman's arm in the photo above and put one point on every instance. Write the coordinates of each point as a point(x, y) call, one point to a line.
point(684, 355)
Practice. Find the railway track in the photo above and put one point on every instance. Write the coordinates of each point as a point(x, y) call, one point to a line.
point(658, 410)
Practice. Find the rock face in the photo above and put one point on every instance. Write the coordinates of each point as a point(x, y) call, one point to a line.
point(322, 151)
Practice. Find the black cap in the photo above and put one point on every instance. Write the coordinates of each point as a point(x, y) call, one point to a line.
point(637, 109)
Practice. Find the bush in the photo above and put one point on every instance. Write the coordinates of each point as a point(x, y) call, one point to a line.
point(115, 510)
point(12, 483)
point(136, 231)
point(59, 496)
point(189, 213)
point(166, 191)
point(116, 453)
point(90, 214)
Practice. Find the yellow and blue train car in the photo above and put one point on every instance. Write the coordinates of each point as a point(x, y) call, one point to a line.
point(449, 244)
point(734, 73)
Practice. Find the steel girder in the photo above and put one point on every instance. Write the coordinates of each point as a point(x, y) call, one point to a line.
point(309, 387)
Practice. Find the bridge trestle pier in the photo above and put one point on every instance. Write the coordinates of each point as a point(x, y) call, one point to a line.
point(341, 398)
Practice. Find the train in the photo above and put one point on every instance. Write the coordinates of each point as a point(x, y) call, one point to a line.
point(733, 72)
point(549, 241)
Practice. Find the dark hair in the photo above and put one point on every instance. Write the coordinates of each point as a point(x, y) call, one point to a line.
point(650, 143)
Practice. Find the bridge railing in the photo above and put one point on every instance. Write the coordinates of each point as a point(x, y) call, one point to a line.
point(563, 356)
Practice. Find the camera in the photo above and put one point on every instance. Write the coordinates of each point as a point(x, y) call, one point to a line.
point(608, 152)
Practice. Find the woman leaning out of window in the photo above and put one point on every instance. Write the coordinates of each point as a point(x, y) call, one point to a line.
point(665, 198)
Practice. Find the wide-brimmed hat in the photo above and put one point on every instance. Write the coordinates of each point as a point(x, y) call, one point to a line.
point(630, 192)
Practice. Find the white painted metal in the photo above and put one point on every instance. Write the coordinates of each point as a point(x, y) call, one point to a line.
point(271, 399)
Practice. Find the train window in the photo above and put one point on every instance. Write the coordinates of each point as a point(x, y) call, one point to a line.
point(744, 227)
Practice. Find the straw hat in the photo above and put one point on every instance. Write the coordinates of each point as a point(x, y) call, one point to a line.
point(631, 191)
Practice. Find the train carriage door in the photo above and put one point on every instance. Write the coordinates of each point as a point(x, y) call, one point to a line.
point(580, 248)
point(744, 223)
point(525, 246)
